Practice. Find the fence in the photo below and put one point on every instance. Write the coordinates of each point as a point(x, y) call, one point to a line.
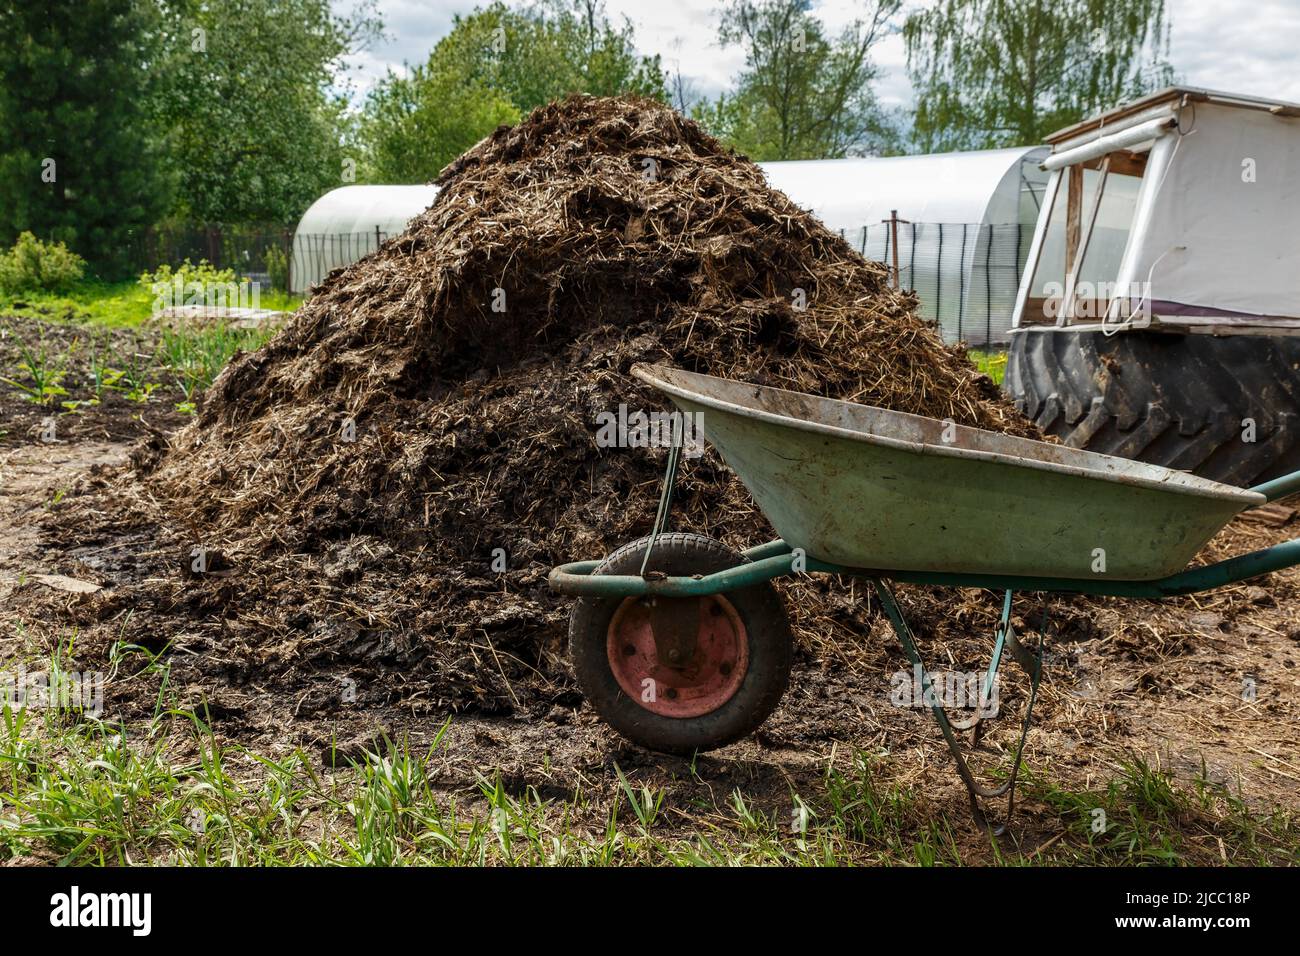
point(316, 255)
point(242, 248)
point(310, 256)
point(965, 275)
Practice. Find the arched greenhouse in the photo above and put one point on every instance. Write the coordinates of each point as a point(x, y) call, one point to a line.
point(348, 223)
point(965, 224)
point(966, 221)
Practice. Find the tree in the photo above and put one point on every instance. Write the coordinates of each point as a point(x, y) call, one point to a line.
point(992, 73)
point(496, 64)
point(414, 125)
point(801, 95)
point(252, 107)
point(78, 158)
point(560, 47)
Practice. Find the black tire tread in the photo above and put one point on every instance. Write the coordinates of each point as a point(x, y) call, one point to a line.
point(1165, 398)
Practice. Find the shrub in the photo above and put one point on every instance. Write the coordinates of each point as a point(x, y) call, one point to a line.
point(32, 265)
point(203, 272)
point(277, 268)
point(196, 284)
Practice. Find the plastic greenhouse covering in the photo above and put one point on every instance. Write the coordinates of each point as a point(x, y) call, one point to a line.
point(969, 218)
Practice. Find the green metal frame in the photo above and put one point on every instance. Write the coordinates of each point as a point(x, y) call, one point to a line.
point(1030, 661)
point(1279, 487)
point(776, 559)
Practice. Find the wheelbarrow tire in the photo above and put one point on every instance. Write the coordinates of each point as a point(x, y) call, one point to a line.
point(752, 695)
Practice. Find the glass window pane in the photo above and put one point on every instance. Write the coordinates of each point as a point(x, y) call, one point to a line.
point(1105, 250)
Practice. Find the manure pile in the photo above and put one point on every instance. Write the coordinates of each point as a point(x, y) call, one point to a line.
point(438, 400)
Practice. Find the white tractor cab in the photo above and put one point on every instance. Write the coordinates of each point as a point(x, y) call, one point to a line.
point(1159, 313)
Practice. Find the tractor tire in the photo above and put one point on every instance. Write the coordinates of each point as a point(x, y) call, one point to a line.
point(1185, 401)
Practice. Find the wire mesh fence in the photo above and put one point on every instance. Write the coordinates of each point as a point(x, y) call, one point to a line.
point(253, 251)
point(316, 255)
point(965, 275)
point(275, 255)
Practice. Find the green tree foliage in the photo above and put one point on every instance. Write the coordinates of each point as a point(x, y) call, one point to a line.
point(991, 73)
point(495, 65)
point(414, 125)
point(78, 162)
point(251, 107)
point(802, 94)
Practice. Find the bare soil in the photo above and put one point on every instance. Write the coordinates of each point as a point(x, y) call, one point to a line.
point(1160, 681)
point(347, 484)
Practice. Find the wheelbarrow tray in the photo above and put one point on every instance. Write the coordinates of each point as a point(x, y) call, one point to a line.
point(869, 488)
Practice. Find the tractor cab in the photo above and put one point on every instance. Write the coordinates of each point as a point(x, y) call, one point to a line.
point(1176, 211)
point(1158, 316)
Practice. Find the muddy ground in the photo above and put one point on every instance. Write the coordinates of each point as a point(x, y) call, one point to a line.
point(1205, 682)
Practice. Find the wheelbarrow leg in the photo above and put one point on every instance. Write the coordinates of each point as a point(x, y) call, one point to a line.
point(1031, 661)
point(665, 494)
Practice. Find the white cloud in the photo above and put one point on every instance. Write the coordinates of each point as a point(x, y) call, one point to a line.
point(411, 27)
point(1238, 47)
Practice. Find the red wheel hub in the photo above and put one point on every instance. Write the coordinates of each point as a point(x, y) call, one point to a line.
point(699, 685)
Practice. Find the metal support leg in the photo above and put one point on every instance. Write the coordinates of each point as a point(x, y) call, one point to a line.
point(1032, 663)
point(665, 498)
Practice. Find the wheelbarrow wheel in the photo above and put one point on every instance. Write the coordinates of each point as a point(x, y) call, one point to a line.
point(715, 681)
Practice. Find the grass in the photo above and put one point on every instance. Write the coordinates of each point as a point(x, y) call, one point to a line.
point(97, 794)
point(112, 304)
point(100, 794)
point(78, 790)
point(1142, 817)
point(992, 364)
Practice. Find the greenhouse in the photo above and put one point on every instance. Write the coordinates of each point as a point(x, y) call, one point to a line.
point(348, 223)
point(965, 221)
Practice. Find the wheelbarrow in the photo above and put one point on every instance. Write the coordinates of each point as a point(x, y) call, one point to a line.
point(682, 644)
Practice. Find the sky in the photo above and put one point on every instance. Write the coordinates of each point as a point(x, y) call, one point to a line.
point(1239, 47)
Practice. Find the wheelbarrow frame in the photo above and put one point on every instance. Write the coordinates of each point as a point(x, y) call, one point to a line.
point(775, 559)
